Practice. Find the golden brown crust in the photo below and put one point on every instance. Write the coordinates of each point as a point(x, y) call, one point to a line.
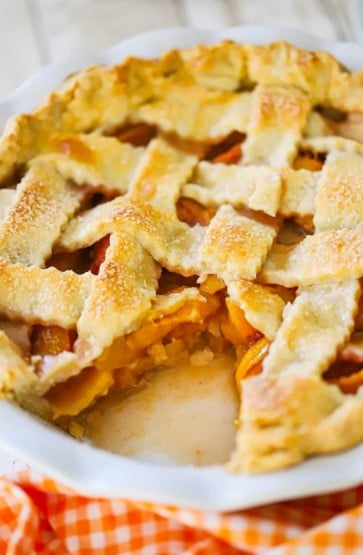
point(16, 374)
point(262, 307)
point(339, 199)
point(216, 184)
point(101, 97)
point(119, 299)
point(67, 159)
point(101, 162)
point(46, 296)
point(235, 246)
point(327, 256)
point(270, 190)
point(278, 117)
point(171, 242)
point(288, 417)
point(321, 317)
point(44, 201)
point(160, 176)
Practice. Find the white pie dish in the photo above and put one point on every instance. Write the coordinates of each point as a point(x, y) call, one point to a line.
point(98, 473)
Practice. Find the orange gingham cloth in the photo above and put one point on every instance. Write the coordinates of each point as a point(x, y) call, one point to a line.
point(38, 515)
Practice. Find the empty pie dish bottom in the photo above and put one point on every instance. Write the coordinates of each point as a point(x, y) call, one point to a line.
point(169, 419)
point(165, 442)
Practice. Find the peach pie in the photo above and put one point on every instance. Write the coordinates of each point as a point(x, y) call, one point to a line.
point(205, 202)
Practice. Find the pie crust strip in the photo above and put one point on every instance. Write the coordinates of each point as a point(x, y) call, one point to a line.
point(339, 200)
point(101, 98)
point(170, 242)
point(101, 162)
point(258, 188)
point(262, 307)
point(320, 258)
point(15, 374)
point(278, 117)
point(119, 299)
point(43, 204)
point(235, 246)
point(162, 172)
point(287, 191)
point(314, 327)
point(45, 296)
point(288, 409)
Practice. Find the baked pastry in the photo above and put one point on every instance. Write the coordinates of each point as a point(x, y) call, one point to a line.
point(210, 200)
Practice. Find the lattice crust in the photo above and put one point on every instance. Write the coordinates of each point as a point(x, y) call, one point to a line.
point(339, 202)
point(289, 163)
point(160, 176)
point(100, 98)
point(321, 258)
point(223, 250)
point(216, 184)
point(329, 144)
point(278, 117)
point(46, 296)
point(288, 417)
point(221, 113)
point(235, 246)
point(271, 433)
point(335, 251)
point(321, 317)
point(102, 162)
point(262, 307)
point(119, 298)
point(298, 192)
point(15, 374)
point(44, 201)
point(170, 242)
point(289, 192)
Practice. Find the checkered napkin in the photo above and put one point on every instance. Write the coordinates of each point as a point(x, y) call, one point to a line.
point(38, 515)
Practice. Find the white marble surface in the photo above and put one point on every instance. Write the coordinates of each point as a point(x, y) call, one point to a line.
point(37, 32)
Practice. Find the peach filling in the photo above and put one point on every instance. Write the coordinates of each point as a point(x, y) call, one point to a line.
point(52, 340)
point(307, 160)
point(191, 212)
point(200, 328)
point(226, 150)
